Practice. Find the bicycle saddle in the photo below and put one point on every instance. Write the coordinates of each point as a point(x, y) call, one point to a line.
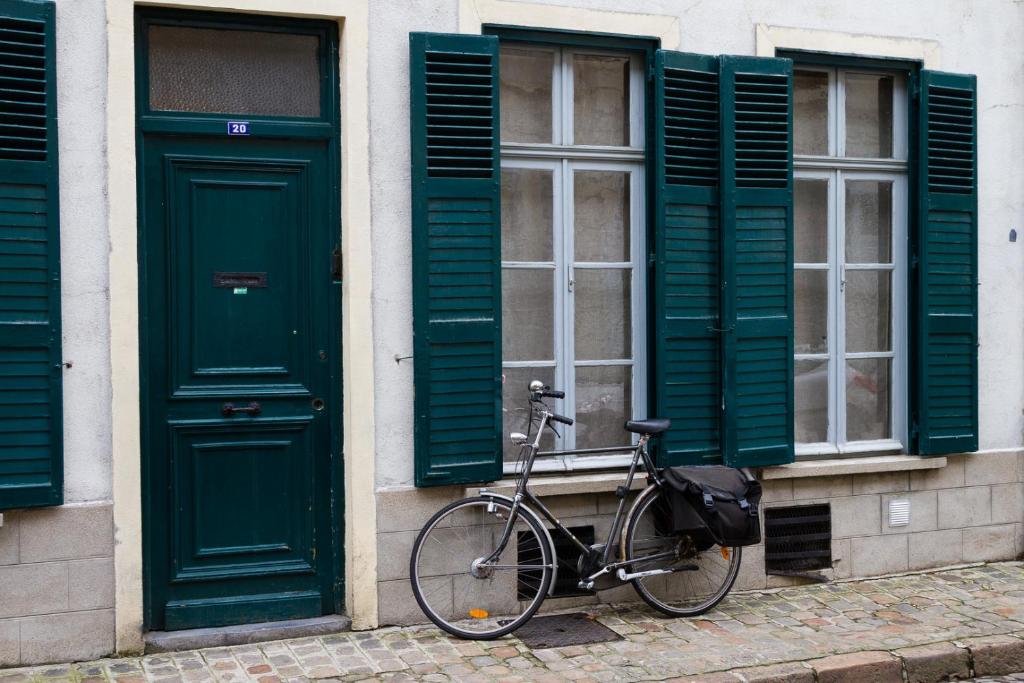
point(653, 425)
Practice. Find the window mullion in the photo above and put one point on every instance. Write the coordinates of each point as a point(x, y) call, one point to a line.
point(837, 313)
point(568, 310)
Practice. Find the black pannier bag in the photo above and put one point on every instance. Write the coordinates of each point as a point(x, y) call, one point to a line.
point(714, 503)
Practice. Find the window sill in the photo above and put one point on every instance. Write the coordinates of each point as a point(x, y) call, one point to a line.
point(842, 466)
point(603, 482)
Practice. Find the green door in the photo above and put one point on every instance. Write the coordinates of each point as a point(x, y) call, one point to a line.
point(240, 372)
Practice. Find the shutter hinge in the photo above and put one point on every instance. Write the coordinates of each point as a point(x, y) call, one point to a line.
point(913, 262)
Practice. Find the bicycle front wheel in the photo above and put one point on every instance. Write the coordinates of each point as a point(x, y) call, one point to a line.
point(692, 576)
point(463, 585)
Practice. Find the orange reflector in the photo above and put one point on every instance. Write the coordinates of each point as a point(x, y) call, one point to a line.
point(479, 613)
point(725, 552)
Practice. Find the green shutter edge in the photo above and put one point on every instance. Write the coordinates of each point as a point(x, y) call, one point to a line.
point(33, 346)
point(758, 348)
point(457, 357)
point(944, 325)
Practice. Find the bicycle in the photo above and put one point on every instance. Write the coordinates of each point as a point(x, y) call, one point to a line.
point(481, 566)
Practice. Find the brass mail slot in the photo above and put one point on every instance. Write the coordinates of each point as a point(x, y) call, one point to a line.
point(231, 280)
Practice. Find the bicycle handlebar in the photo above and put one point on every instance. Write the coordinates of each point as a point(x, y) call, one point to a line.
point(561, 418)
point(551, 393)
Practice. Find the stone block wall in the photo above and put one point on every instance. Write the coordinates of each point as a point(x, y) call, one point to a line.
point(971, 510)
point(56, 584)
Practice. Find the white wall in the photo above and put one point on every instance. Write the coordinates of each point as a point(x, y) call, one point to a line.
point(975, 36)
point(81, 102)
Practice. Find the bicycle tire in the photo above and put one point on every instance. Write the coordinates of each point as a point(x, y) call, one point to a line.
point(503, 628)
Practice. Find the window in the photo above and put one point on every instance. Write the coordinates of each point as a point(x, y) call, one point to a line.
point(572, 241)
point(850, 253)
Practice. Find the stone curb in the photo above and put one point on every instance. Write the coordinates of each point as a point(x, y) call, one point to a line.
point(994, 655)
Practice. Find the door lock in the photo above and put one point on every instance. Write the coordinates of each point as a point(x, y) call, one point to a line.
point(229, 409)
point(318, 404)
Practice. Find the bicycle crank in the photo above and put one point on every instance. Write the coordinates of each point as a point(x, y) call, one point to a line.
point(624, 576)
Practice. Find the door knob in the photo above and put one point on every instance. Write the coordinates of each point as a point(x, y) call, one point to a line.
point(229, 409)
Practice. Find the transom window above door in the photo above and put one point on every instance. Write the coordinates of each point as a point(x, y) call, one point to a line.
point(572, 241)
point(850, 279)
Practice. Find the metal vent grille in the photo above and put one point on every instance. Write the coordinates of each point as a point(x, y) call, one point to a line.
point(568, 578)
point(460, 115)
point(762, 130)
point(22, 90)
point(691, 127)
point(797, 539)
point(950, 140)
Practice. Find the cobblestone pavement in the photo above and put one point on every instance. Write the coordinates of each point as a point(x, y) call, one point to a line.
point(747, 629)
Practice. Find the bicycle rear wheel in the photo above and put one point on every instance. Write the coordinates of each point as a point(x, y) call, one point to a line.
point(466, 596)
point(697, 577)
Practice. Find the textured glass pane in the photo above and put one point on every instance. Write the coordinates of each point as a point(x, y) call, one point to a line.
point(867, 399)
point(868, 313)
point(810, 112)
point(811, 311)
point(810, 386)
point(868, 115)
point(601, 205)
point(810, 221)
point(603, 314)
point(868, 221)
point(603, 403)
point(527, 314)
point(527, 207)
point(515, 405)
point(600, 100)
point(526, 94)
point(221, 71)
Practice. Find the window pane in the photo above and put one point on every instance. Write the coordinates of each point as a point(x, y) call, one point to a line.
point(601, 207)
point(868, 221)
point(600, 100)
point(810, 220)
point(811, 311)
point(603, 314)
point(868, 312)
point(810, 388)
point(222, 71)
point(527, 314)
point(526, 94)
point(867, 399)
point(810, 112)
point(868, 115)
point(603, 403)
point(515, 405)
point(527, 206)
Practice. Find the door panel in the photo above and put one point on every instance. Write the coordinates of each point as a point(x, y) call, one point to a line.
point(238, 347)
point(241, 239)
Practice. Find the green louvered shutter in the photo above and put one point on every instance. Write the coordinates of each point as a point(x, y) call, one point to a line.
point(757, 259)
point(686, 273)
point(31, 463)
point(946, 272)
point(456, 258)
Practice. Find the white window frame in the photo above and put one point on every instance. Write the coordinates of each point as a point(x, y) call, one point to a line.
point(563, 158)
point(837, 169)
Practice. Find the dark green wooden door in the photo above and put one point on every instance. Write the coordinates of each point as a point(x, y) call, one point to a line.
point(240, 309)
point(239, 288)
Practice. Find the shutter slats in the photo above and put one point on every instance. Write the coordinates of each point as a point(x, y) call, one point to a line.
point(946, 335)
point(456, 258)
point(686, 309)
point(757, 255)
point(31, 466)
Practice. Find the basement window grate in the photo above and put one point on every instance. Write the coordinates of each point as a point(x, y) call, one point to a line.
point(568, 579)
point(797, 539)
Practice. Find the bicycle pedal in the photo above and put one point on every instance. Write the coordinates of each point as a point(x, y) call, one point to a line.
point(585, 585)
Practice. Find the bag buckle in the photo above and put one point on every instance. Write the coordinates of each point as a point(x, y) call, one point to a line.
point(744, 505)
point(709, 502)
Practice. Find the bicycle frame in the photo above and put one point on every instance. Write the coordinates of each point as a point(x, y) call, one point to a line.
point(524, 498)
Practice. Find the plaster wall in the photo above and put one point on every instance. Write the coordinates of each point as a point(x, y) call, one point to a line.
point(81, 99)
point(955, 35)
